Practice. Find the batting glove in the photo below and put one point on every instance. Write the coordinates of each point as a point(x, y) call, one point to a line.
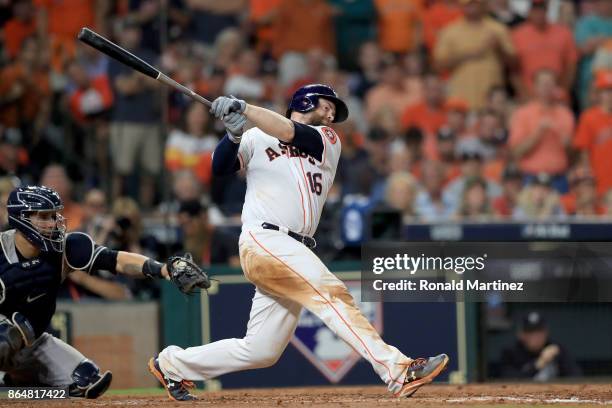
point(234, 123)
point(223, 105)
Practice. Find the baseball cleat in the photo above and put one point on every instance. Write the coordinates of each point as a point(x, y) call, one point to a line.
point(91, 390)
point(177, 390)
point(421, 371)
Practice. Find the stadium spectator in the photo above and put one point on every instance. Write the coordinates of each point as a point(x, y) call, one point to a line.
point(471, 166)
point(91, 96)
point(246, 82)
point(447, 147)
point(541, 131)
point(475, 203)
point(290, 26)
point(134, 132)
point(543, 45)
point(353, 25)
point(99, 284)
point(395, 92)
point(594, 135)
point(378, 144)
point(369, 72)
point(436, 17)
point(606, 203)
point(59, 22)
point(539, 200)
point(25, 91)
point(591, 32)
point(317, 61)
point(581, 200)
point(21, 26)
point(429, 115)
point(475, 49)
point(14, 156)
point(55, 177)
point(353, 154)
point(206, 243)
point(502, 11)
point(7, 184)
point(95, 214)
point(430, 205)
point(146, 14)
point(399, 25)
point(191, 146)
point(512, 183)
point(262, 14)
point(227, 48)
point(499, 101)
point(400, 194)
point(209, 17)
point(535, 355)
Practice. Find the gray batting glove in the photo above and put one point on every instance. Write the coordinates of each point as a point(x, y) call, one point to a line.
point(226, 104)
point(234, 123)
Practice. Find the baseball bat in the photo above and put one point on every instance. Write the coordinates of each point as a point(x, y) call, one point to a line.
point(122, 55)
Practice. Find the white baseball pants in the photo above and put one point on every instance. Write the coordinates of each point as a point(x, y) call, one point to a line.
point(287, 276)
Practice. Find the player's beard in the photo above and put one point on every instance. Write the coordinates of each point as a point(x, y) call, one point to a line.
point(315, 119)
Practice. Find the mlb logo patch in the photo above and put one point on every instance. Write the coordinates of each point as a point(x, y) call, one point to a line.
point(326, 351)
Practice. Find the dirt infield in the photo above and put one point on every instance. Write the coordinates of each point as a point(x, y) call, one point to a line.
point(498, 395)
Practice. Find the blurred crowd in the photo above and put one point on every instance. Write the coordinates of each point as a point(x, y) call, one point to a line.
point(471, 110)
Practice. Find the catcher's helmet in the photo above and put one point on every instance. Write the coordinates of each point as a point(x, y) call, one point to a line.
point(23, 201)
point(307, 97)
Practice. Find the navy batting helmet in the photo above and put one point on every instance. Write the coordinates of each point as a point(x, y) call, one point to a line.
point(307, 97)
point(23, 201)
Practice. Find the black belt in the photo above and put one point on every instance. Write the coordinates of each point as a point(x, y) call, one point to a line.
point(304, 239)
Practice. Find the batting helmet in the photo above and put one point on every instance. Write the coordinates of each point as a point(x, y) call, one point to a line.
point(307, 97)
point(23, 201)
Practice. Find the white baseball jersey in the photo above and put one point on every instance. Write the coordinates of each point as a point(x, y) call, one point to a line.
point(285, 186)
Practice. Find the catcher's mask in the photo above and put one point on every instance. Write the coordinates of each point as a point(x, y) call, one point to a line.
point(35, 212)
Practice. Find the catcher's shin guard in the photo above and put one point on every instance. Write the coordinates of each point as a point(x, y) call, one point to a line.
point(88, 382)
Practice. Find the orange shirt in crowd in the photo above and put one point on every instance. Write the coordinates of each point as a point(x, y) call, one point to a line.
point(73, 212)
point(66, 17)
point(595, 136)
point(303, 25)
point(263, 9)
point(472, 79)
point(568, 201)
point(15, 31)
point(435, 18)
point(398, 21)
point(549, 154)
point(397, 100)
point(553, 48)
point(35, 90)
point(429, 121)
point(100, 86)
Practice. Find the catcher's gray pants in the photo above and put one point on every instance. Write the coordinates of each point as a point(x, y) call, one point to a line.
point(49, 361)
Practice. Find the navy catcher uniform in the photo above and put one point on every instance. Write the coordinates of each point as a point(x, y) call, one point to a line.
point(36, 257)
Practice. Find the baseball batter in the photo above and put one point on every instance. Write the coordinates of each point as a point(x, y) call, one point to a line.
point(290, 165)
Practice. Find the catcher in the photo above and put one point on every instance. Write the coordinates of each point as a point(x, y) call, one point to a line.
point(36, 257)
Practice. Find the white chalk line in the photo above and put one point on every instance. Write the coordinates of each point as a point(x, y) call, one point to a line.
point(573, 400)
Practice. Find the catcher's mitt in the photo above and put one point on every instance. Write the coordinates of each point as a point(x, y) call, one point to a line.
point(186, 275)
